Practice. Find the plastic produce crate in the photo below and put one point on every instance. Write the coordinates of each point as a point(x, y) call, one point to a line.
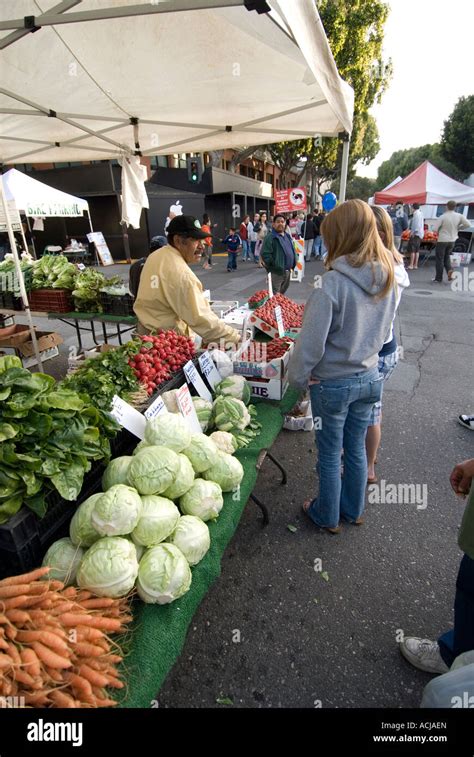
point(117, 304)
point(8, 301)
point(51, 300)
point(25, 538)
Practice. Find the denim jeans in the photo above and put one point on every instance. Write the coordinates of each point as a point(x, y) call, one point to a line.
point(341, 410)
point(231, 261)
point(245, 249)
point(319, 248)
point(252, 248)
point(461, 638)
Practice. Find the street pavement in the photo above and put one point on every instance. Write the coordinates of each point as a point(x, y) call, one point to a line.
point(299, 618)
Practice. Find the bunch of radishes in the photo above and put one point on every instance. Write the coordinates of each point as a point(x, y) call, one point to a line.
point(157, 357)
point(291, 312)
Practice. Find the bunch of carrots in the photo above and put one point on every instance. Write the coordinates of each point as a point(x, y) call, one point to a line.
point(55, 649)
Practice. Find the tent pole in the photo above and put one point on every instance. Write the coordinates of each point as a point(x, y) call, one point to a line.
point(97, 261)
point(21, 280)
point(32, 238)
point(344, 166)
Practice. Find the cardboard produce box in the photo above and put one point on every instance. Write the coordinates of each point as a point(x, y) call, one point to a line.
point(257, 323)
point(47, 345)
point(274, 369)
point(268, 389)
point(16, 336)
point(75, 361)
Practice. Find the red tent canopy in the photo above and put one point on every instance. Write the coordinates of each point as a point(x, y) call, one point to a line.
point(426, 185)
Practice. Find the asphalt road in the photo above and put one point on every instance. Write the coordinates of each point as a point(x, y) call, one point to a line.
point(306, 639)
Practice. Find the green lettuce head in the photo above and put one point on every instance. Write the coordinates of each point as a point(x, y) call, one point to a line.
point(109, 568)
point(204, 500)
point(158, 519)
point(153, 470)
point(117, 512)
point(163, 575)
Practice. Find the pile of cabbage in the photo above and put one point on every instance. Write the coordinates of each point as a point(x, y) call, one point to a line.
point(148, 526)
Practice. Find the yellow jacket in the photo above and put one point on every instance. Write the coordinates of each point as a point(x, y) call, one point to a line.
point(170, 297)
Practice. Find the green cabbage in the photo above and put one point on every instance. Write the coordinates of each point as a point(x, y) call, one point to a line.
point(81, 530)
point(203, 410)
point(224, 441)
point(234, 386)
point(183, 480)
point(227, 472)
point(140, 446)
point(116, 472)
point(192, 537)
point(231, 415)
point(169, 430)
point(64, 558)
point(153, 470)
point(158, 519)
point(109, 568)
point(116, 513)
point(163, 575)
point(201, 452)
point(204, 500)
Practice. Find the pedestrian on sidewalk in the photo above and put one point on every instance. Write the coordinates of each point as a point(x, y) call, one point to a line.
point(244, 236)
point(233, 245)
point(448, 227)
point(389, 354)
point(278, 255)
point(308, 232)
point(346, 321)
point(417, 232)
point(399, 222)
point(319, 246)
point(437, 656)
point(207, 226)
point(261, 228)
point(252, 235)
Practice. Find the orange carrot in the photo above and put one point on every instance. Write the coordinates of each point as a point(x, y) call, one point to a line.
point(6, 661)
point(80, 685)
point(23, 677)
point(85, 633)
point(95, 678)
point(37, 698)
point(62, 607)
point(107, 624)
point(84, 649)
point(62, 699)
point(55, 675)
point(31, 662)
point(14, 653)
point(17, 616)
point(50, 658)
point(26, 577)
point(48, 638)
point(98, 602)
point(11, 632)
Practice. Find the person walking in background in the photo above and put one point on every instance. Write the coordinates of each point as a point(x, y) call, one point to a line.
point(233, 244)
point(262, 229)
point(448, 227)
point(244, 236)
point(301, 218)
point(207, 226)
point(319, 246)
point(346, 321)
point(278, 255)
point(417, 232)
point(399, 222)
point(293, 225)
point(388, 355)
point(252, 234)
point(308, 232)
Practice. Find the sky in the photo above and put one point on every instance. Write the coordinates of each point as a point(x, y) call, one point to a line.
point(430, 43)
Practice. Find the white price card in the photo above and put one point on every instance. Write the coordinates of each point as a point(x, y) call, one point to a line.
point(128, 417)
point(156, 408)
point(187, 409)
point(270, 285)
point(192, 375)
point(279, 320)
point(209, 369)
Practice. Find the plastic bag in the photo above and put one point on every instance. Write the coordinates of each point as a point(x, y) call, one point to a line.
point(223, 362)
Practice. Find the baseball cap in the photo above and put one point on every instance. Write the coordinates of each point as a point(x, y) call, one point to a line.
point(157, 242)
point(188, 226)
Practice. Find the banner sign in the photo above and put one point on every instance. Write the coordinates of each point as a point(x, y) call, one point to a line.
point(54, 209)
point(287, 200)
point(101, 246)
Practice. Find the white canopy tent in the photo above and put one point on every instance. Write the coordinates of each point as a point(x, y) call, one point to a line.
point(99, 79)
point(33, 198)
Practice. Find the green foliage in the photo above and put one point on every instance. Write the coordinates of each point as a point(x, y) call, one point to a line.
point(457, 141)
point(358, 188)
point(403, 162)
point(104, 376)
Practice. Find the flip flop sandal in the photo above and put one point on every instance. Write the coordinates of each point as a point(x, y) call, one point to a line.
point(337, 530)
point(372, 480)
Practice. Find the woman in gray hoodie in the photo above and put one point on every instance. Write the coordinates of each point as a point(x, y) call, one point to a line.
point(347, 319)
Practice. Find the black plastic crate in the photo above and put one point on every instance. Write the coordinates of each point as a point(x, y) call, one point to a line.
point(117, 304)
point(25, 538)
point(8, 301)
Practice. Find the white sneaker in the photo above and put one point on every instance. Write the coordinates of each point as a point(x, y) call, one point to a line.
point(467, 421)
point(423, 654)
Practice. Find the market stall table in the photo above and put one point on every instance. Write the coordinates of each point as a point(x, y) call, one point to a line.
point(74, 319)
point(159, 632)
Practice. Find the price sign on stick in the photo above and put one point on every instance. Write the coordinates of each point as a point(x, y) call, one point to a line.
point(187, 409)
point(279, 320)
point(209, 370)
point(194, 378)
point(128, 417)
point(156, 408)
point(270, 285)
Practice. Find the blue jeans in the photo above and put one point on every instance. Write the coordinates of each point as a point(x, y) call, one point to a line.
point(231, 261)
point(252, 248)
point(319, 248)
point(461, 638)
point(341, 411)
point(245, 249)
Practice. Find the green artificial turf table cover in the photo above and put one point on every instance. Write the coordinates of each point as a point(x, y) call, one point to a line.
point(158, 632)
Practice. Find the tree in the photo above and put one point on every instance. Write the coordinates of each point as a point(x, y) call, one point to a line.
point(457, 140)
point(358, 188)
point(403, 162)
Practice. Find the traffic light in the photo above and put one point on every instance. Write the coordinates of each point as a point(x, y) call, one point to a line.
point(194, 166)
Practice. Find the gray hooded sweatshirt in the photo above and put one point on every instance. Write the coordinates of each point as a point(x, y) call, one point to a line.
point(344, 325)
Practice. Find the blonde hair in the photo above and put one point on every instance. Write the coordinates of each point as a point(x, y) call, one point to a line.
point(350, 230)
point(385, 230)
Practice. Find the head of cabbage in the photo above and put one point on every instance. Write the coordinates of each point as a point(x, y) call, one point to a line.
point(81, 530)
point(63, 557)
point(158, 519)
point(224, 441)
point(163, 575)
point(204, 500)
point(201, 452)
point(168, 430)
point(109, 568)
point(153, 470)
point(192, 537)
point(183, 480)
point(116, 472)
point(117, 511)
point(203, 410)
point(227, 471)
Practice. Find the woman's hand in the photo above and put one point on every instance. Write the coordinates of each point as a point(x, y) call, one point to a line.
point(461, 477)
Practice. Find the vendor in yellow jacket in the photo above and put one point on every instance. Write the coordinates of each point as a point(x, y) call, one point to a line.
point(170, 295)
